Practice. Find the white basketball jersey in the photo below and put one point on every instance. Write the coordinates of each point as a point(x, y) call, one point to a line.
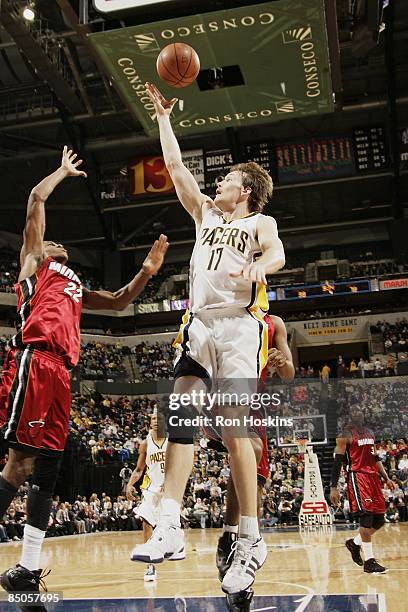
point(223, 247)
point(155, 457)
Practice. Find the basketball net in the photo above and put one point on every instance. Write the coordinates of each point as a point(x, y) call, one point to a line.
point(302, 445)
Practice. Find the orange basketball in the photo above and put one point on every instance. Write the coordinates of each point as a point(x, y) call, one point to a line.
point(178, 65)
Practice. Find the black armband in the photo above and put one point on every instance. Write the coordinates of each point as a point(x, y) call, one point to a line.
point(336, 469)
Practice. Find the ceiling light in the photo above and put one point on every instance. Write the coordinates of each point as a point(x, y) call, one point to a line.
point(28, 12)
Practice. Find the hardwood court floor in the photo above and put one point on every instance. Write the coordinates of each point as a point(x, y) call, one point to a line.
point(98, 566)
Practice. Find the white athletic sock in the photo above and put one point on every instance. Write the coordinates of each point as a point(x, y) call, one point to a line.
point(357, 540)
point(32, 542)
point(248, 527)
point(230, 529)
point(367, 550)
point(170, 512)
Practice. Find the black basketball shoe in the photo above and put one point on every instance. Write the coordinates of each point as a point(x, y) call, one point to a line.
point(355, 551)
point(223, 559)
point(372, 567)
point(19, 579)
point(240, 602)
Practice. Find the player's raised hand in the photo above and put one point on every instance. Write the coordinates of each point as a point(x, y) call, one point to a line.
point(255, 272)
point(276, 358)
point(155, 256)
point(162, 106)
point(70, 164)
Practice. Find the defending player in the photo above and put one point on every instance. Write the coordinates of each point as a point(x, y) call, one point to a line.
point(224, 336)
point(279, 358)
point(152, 454)
point(364, 468)
point(35, 395)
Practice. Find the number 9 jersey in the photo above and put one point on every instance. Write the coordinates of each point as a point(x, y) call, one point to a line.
point(49, 305)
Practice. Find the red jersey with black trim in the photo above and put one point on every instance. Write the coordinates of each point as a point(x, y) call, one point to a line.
point(49, 305)
point(361, 454)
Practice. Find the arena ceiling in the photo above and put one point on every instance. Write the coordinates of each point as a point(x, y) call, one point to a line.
point(54, 90)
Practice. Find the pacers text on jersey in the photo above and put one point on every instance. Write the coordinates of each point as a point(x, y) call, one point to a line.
point(231, 236)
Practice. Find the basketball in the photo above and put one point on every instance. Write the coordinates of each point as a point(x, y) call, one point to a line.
point(178, 65)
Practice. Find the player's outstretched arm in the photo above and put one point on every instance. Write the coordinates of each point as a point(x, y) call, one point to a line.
point(32, 251)
point(137, 472)
point(280, 356)
point(184, 182)
point(119, 300)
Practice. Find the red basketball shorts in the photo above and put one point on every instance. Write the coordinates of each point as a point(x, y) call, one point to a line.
point(364, 493)
point(35, 401)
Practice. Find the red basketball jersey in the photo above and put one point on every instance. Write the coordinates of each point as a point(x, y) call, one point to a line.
point(361, 454)
point(49, 305)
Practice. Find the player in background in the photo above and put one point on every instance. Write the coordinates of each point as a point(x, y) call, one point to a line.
point(35, 396)
point(224, 336)
point(356, 448)
point(280, 360)
point(152, 455)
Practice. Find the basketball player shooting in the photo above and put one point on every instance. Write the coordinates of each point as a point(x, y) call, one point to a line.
point(356, 448)
point(35, 397)
point(152, 454)
point(224, 336)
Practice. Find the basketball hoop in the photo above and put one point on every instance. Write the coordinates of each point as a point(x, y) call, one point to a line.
point(302, 445)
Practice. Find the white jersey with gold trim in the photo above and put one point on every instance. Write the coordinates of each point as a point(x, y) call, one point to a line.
point(155, 457)
point(221, 248)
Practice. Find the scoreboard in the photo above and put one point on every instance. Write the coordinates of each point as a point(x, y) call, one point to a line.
point(314, 158)
point(263, 153)
point(289, 162)
point(370, 149)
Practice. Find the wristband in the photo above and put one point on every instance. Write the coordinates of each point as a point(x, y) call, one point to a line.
point(336, 469)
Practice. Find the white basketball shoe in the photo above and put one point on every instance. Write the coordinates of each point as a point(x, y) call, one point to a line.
point(166, 542)
point(249, 556)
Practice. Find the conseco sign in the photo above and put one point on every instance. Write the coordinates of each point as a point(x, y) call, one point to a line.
point(394, 283)
point(248, 38)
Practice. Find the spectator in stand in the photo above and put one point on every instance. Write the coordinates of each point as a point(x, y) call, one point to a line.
point(390, 366)
point(354, 369)
point(392, 514)
point(403, 467)
point(378, 367)
point(325, 373)
point(361, 367)
point(125, 474)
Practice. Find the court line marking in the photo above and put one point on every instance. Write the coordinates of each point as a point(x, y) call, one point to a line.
point(382, 604)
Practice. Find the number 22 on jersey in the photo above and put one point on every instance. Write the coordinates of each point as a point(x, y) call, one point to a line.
point(74, 291)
